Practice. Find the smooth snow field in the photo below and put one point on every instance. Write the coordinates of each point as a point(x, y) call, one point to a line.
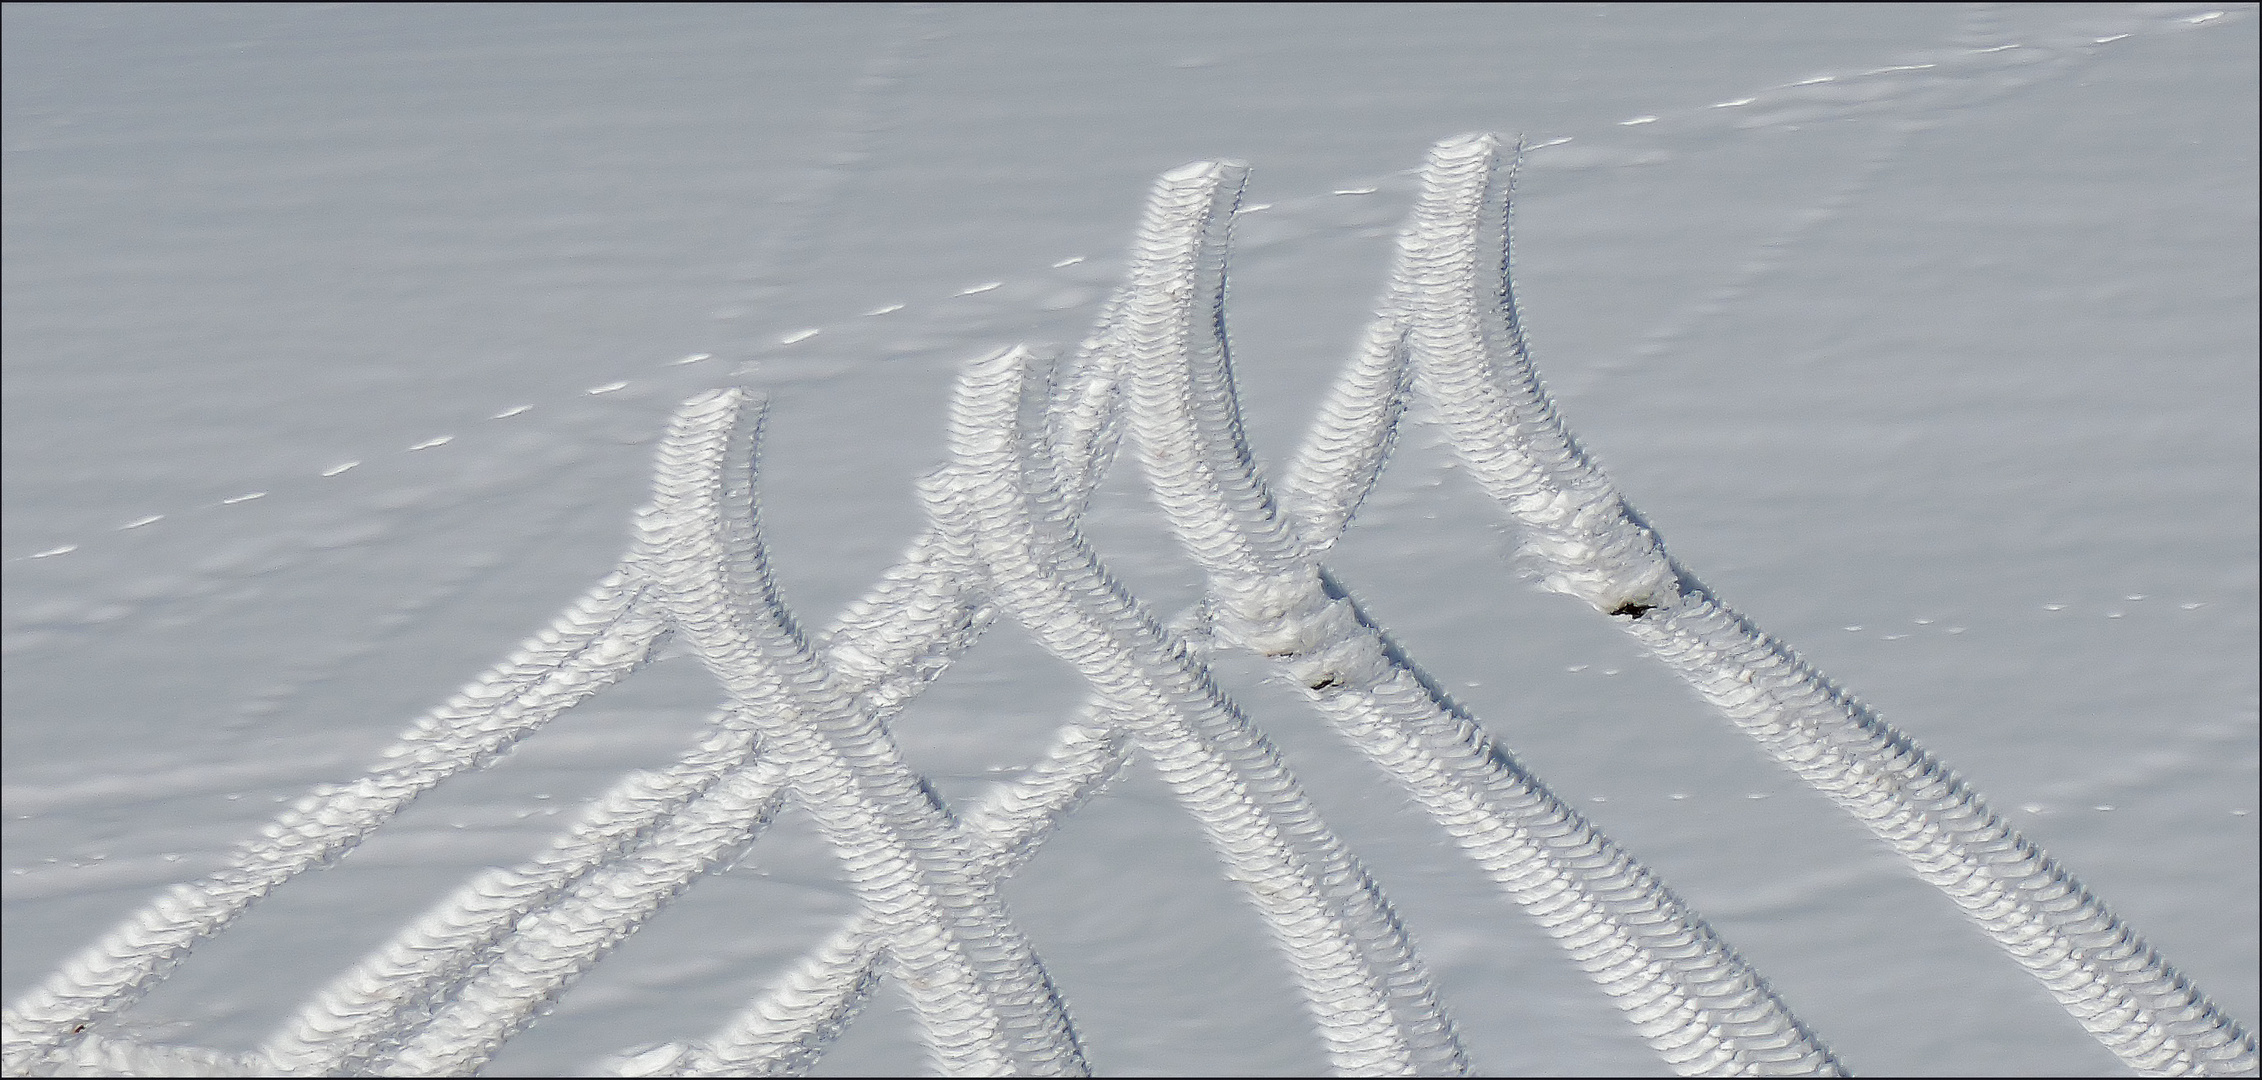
point(1926, 336)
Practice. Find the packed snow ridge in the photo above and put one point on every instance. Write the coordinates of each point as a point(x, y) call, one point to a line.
point(805, 720)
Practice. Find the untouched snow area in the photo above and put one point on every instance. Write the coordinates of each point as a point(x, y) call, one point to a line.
point(1926, 336)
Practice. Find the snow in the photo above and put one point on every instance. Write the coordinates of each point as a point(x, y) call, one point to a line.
point(1933, 355)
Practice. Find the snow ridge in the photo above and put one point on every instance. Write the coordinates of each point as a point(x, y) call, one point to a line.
point(1472, 362)
point(1696, 1002)
point(806, 722)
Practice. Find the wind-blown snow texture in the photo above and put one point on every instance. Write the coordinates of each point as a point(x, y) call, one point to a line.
point(1959, 356)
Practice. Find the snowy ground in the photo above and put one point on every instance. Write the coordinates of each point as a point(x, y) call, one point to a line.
point(1946, 374)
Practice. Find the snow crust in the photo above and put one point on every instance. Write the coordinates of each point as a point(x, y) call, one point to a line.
point(1935, 354)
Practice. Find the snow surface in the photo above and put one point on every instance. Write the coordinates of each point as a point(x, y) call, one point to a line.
point(1946, 375)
